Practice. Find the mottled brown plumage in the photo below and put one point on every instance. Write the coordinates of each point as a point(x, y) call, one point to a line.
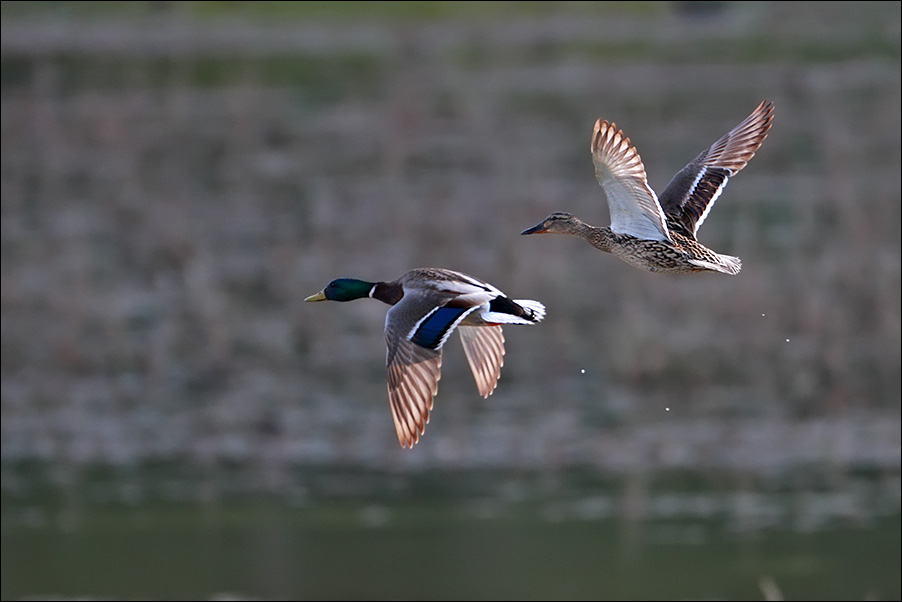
point(660, 235)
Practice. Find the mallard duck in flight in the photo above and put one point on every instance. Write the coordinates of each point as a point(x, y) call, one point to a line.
point(659, 234)
point(428, 304)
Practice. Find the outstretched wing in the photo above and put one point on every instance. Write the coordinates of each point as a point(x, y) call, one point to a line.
point(415, 331)
point(416, 328)
point(413, 375)
point(689, 197)
point(619, 169)
point(484, 347)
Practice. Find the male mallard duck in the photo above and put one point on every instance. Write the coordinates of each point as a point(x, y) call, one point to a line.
point(659, 235)
point(428, 304)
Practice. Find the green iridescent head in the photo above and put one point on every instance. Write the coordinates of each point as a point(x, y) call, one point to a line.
point(343, 289)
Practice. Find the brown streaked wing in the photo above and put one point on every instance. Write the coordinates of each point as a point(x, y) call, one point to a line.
point(484, 347)
point(619, 170)
point(691, 193)
point(413, 375)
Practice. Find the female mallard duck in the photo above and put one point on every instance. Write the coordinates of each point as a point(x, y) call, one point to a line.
point(427, 305)
point(660, 235)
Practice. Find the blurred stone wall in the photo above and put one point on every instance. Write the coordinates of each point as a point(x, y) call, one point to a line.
point(173, 186)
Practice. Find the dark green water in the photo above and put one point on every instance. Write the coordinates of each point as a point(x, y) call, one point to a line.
point(433, 551)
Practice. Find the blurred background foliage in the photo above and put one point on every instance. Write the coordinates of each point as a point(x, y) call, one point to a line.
point(177, 177)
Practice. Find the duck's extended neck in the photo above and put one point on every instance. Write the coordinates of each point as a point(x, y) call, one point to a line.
point(387, 292)
point(600, 238)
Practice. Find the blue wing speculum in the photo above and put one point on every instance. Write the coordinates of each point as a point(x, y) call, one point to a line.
point(433, 330)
